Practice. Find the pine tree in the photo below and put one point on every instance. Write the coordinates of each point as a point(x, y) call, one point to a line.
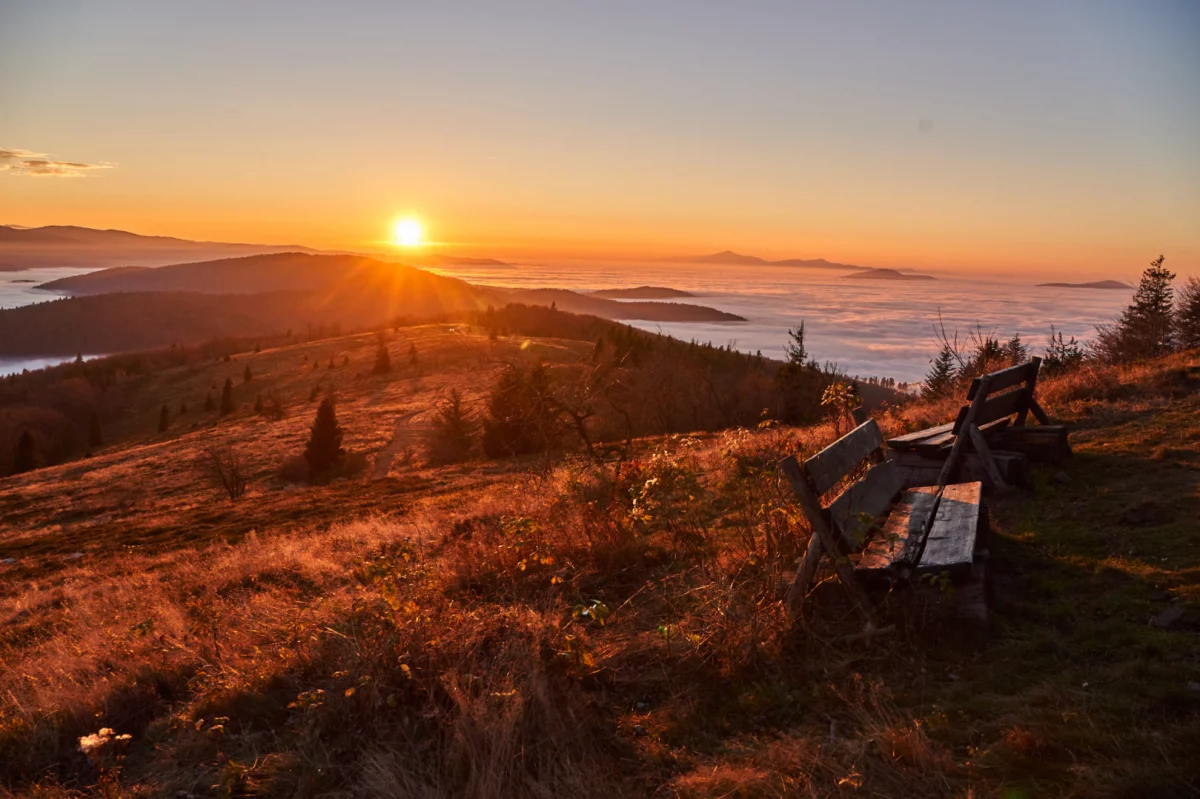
point(247, 376)
point(182, 408)
point(258, 404)
point(164, 420)
point(453, 431)
point(1061, 356)
point(324, 450)
point(209, 407)
point(227, 398)
point(940, 380)
point(1146, 328)
point(383, 360)
point(522, 417)
point(795, 348)
point(1015, 351)
point(412, 354)
point(1187, 315)
point(95, 433)
point(24, 458)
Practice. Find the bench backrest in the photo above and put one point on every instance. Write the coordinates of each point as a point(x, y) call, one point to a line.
point(1001, 394)
point(868, 497)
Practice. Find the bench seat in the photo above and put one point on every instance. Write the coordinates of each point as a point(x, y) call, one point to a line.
point(954, 541)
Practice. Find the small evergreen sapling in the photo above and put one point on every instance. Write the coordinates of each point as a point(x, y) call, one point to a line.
point(227, 398)
point(324, 449)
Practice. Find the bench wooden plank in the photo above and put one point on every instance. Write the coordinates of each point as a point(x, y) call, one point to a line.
point(999, 406)
point(908, 440)
point(903, 525)
point(951, 543)
point(827, 468)
point(1005, 378)
point(938, 445)
point(869, 497)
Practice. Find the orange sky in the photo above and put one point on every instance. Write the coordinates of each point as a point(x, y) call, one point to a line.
point(1055, 141)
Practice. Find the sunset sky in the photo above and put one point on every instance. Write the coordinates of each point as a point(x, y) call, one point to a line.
point(1017, 136)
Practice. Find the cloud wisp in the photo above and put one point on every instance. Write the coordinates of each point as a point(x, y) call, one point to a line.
point(27, 162)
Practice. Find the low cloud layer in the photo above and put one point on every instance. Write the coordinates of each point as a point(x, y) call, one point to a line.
point(27, 162)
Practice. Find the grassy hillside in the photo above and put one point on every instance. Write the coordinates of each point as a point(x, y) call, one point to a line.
point(571, 626)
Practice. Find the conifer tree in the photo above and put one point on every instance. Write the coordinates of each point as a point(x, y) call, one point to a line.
point(795, 348)
point(227, 398)
point(182, 408)
point(1015, 351)
point(940, 380)
point(24, 458)
point(164, 420)
point(324, 450)
point(246, 375)
point(95, 434)
point(1187, 315)
point(1146, 328)
point(412, 354)
point(383, 360)
point(453, 431)
point(209, 407)
point(258, 404)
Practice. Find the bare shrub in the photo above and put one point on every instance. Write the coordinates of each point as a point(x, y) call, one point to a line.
point(227, 470)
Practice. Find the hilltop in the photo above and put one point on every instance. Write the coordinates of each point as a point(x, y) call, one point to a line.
point(641, 293)
point(887, 274)
point(735, 259)
point(70, 245)
point(574, 626)
point(1099, 284)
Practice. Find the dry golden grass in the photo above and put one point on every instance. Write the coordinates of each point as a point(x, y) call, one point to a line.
point(573, 628)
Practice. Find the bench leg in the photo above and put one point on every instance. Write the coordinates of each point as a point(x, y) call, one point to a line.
point(985, 456)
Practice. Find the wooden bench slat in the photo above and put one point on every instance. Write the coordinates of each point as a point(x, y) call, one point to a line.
point(871, 496)
point(935, 446)
point(908, 440)
point(1005, 378)
point(904, 523)
point(999, 406)
point(827, 468)
point(951, 543)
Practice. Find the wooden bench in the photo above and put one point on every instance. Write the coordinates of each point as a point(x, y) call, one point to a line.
point(1000, 444)
point(875, 529)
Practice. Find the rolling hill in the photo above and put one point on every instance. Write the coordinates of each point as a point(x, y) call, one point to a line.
point(70, 245)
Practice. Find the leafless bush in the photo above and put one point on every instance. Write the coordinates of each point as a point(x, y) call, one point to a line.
point(227, 470)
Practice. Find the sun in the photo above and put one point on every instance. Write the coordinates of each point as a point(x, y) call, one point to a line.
point(408, 233)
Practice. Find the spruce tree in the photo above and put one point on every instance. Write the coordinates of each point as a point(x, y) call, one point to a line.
point(940, 380)
point(247, 376)
point(795, 348)
point(227, 398)
point(1146, 328)
point(24, 458)
point(453, 431)
point(209, 407)
point(164, 420)
point(182, 408)
point(1187, 315)
point(1015, 351)
point(383, 361)
point(412, 354)
point(95, 433)
point(258, 404)
point(324, 450)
